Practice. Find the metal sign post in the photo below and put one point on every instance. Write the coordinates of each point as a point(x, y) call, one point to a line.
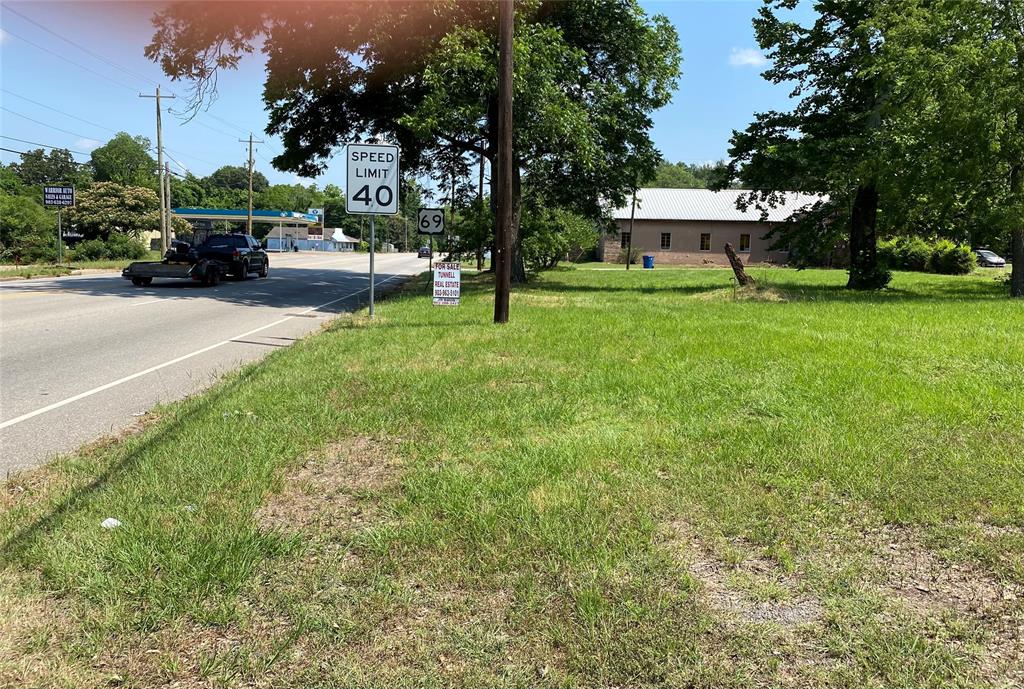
point(59, 196)
point(372, 188)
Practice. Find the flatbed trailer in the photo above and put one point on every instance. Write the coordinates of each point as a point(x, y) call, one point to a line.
point(206, 271)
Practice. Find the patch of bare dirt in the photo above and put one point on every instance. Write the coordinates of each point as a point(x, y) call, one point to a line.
point(760, 294)
point(930, 588)
point(749, 591)
point(326, 490)
point(530, 299)
point(752, 590)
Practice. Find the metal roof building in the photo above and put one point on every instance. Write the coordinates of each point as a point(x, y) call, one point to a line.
point(704, 204)
point(692, 226)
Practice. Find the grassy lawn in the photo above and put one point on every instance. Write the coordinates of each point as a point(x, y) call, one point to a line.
point(646, 479)
point(10, 272)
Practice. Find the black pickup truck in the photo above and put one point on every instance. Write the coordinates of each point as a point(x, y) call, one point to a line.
point(242, 252)
point(216, 256)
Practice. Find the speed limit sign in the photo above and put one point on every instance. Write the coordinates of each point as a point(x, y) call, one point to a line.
point(372, 179)
point(430, 221)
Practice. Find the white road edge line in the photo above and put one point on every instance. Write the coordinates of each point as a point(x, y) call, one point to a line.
point(119, 381)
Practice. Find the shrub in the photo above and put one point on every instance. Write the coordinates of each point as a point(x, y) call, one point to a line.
point(877, 278)
point(914, 253)
point(90, 250)
point(889, 254)
point(122, 246)
point(952, 259)
point(28, 233)
point(632, 254)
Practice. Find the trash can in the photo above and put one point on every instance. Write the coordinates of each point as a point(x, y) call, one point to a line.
point(648, 262)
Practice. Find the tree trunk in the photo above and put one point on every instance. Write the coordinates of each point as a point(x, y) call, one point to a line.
point(864, 273)
point(518, 263)
point(737, 267)
point(1017, 234)
point(492, 145)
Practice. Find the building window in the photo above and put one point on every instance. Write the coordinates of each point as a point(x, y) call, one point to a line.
point(624, 239)
point(744, 242)
point(705, 241)
point(666, 241)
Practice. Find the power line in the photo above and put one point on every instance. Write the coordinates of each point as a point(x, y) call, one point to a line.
point(167, 153)
point(11, 150)
point(43, 124)
point(108, 78)
point(99, 57)
point(69, 60)
point(61, 112)
point(36, 143)
point(211, 128)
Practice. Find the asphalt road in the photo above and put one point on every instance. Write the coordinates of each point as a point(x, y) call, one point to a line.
point(84, 356)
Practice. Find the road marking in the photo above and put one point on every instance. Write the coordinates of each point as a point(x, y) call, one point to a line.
point(143, 303)
point(172, 362)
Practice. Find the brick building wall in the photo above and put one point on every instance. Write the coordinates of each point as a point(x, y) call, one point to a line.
point(684, 240)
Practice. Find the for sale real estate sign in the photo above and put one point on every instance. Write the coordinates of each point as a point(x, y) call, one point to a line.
point(447, 283)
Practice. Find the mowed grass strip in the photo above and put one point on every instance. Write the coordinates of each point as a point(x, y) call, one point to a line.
point(646, 479)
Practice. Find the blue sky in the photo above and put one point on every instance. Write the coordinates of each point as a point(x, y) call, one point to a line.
point(77, 68)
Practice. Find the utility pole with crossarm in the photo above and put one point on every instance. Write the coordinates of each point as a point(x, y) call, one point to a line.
point(248, 224)
point(164, 219)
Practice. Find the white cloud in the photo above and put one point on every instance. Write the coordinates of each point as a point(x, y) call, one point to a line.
point(747, 57)
point(87, 144)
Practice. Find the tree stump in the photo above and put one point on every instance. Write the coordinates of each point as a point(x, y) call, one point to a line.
point(737, 267)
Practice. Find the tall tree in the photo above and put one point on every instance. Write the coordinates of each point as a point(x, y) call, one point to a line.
point(27, 232)
point(956, 114)
point(106, 208)
point(236, 177)
point(829, 143)
point(688, 176)
point(38, 167)
point(589, 74)
point(125, 160)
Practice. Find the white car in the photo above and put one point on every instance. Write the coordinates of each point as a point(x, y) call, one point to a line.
point(987, 259)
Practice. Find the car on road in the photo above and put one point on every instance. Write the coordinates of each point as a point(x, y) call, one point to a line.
point(988, 259)
point(424, 252)
point(242, 252)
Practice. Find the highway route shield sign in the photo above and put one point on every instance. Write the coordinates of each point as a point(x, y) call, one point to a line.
point(430, 221)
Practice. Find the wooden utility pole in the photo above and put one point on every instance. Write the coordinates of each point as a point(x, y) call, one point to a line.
point(160, 168)
point(503, 243)
point(248, 222)
point(167, 199)
point(480, 201)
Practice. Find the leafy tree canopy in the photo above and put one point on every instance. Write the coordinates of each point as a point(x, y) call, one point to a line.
point(125, 160)
point(28, 233)
point(236, 177)
point(423, 73)
point(37, 167)
point(107, 207)
point(955, 69)
point(686, 176)
point(829, 143)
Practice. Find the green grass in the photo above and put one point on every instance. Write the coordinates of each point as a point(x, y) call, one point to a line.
point(8, 272)
point(637, 482)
